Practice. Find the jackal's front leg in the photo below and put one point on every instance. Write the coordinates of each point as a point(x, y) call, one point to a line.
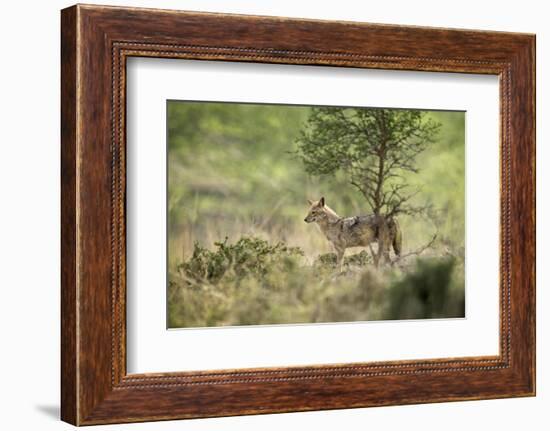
point(340, 258)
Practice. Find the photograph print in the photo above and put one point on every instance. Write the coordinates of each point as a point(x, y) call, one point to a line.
point(288, 214)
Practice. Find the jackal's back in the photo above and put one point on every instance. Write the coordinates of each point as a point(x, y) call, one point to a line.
point(359, 231)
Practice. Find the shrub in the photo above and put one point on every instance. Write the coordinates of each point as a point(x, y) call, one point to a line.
point(430, 291)
point(248, 256)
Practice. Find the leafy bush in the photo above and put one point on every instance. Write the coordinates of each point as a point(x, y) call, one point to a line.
point(427, 292)
point(249, 256)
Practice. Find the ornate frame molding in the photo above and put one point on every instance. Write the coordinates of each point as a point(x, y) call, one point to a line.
point(96, 41)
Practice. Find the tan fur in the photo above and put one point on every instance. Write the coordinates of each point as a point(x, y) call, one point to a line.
point(357, 231)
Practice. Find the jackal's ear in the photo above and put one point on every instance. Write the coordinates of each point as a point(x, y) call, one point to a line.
point(322, 202)
point(309, 201)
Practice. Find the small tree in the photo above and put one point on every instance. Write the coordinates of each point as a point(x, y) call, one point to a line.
point(374, 147)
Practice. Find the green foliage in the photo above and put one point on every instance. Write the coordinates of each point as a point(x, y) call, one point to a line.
point(249, 256)
point(373, 147)
point(427, 292)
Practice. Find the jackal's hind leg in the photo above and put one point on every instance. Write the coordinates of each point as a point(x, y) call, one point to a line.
point(384, 245)
point(387, 258)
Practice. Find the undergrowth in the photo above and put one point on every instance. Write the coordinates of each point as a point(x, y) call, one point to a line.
point(254, 282)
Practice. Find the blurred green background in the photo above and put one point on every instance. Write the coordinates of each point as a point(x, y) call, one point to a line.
point(232, 173)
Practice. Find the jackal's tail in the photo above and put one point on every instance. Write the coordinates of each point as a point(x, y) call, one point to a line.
point(397, 237)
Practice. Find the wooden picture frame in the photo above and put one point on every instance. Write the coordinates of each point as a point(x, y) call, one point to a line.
point(95, 43)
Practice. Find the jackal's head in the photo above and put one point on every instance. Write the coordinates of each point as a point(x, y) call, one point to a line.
point(317, 211)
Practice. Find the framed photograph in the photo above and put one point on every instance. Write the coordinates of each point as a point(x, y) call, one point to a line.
point(264, 215)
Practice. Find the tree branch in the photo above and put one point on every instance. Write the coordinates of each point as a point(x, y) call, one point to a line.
point(419, 250)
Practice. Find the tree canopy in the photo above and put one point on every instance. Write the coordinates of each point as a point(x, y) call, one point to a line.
point(373, 147)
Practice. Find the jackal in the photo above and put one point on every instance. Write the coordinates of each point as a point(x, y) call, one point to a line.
point(356, 231)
